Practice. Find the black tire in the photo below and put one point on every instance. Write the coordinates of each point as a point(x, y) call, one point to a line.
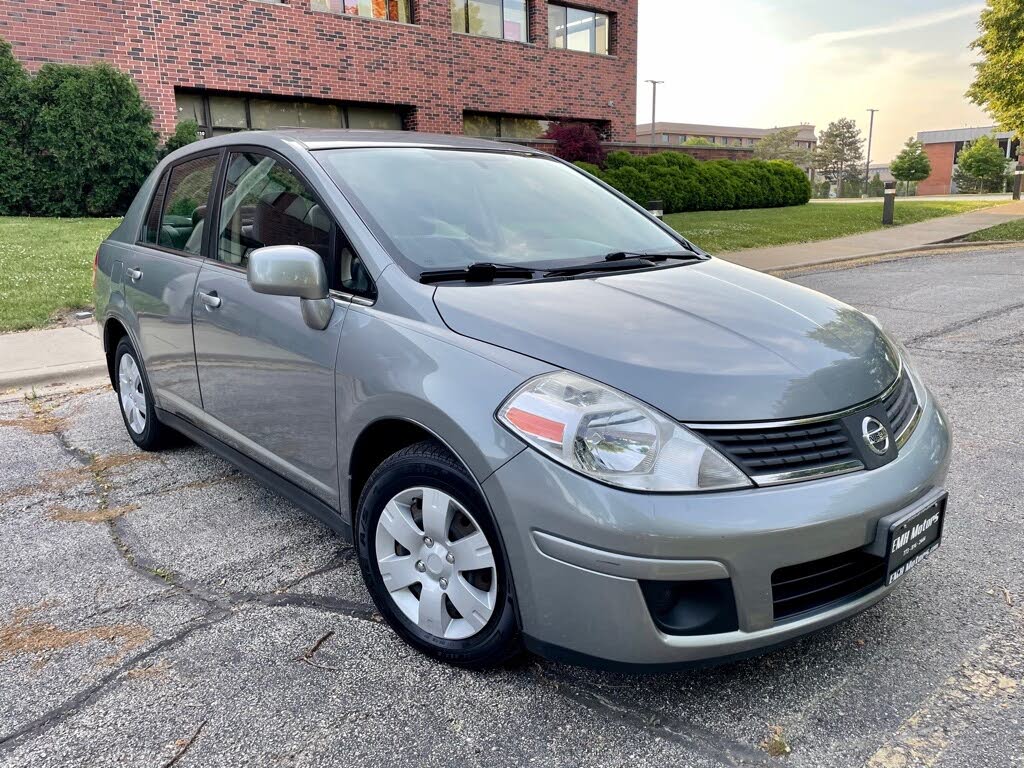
point(154, 436)
point(430, 464)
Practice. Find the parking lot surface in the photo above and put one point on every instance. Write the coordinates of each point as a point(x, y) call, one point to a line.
point(160, 609)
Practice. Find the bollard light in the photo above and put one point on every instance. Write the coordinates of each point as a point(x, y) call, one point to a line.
point(889, 203)
point(656, 208)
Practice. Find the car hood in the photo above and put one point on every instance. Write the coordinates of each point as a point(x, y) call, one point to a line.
point(707, 342)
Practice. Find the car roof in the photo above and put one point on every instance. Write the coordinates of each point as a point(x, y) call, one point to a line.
point(316, 138)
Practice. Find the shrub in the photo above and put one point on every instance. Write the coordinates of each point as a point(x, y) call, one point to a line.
point(685, 184)
point(620, 159)
point(15, 121)
point(186, 133)
point(576, 142)
point(74, 140)
point(590, 168)
point(92, 140)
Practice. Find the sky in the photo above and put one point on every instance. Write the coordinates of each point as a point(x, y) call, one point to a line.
point(761, 64)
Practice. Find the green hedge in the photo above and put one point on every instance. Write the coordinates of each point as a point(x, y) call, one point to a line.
point(682, 183)
point(74, 140)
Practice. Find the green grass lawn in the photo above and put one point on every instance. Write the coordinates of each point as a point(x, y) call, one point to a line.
point(46, 266)
point(718, 231)
point(1011, 231)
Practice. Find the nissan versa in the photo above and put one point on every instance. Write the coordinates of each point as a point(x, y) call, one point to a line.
point(544, 418)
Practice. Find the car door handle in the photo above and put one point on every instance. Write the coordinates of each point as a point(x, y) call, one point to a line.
point(211, 299)
point(134, 273)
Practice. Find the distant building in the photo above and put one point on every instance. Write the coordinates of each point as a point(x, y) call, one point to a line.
point(882, 169)
point(722, 135)
point(943, 148)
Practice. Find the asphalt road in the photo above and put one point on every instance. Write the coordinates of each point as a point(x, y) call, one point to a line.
point(156, 608)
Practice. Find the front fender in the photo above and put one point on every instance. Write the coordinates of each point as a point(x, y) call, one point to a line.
point(424, 374)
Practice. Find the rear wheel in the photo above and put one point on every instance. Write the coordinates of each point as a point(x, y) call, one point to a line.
point(136, 401)
point(432, 560)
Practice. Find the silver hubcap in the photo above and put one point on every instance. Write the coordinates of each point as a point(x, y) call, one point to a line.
point(436, 563)
point(132, 393)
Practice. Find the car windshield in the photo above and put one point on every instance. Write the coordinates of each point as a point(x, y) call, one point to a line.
point(447, 209)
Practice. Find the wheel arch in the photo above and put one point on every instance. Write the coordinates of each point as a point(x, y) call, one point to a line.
point(382, 438)
point(113, 331)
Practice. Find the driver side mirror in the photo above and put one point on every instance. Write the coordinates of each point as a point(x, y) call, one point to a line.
point(293, 270)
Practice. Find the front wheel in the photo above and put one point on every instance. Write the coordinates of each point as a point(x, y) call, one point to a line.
point(432, 561)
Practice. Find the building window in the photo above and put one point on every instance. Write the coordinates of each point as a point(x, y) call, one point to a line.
point(491, 18)
point(217, 114)
point(503, 126)
point(392, 10)
point(577, 30)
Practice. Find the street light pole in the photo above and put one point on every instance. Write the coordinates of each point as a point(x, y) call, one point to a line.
point(654, 103)
point(867, 165)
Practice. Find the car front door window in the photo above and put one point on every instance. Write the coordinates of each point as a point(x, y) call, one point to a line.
point(266, 203)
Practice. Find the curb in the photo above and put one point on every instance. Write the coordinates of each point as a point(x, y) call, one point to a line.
point(942, 245)
point(61, 374)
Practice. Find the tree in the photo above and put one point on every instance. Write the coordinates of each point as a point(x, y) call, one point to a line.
point(780, 144)
point(999, 77)
point(15, 122)
point(981, 166)
point(911, 164)
point(852, 186)
point(92, 140)
point(697, 141)
point(840, 153)
point(876, 187)
point(576, 142)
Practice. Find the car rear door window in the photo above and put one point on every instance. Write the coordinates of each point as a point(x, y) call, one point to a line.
point(181, 200)
point(266, 203)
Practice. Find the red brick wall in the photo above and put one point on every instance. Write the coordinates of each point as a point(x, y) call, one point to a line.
point(940, 181)
point(286, 49)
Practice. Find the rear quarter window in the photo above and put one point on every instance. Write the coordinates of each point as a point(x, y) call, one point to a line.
point(177, 213)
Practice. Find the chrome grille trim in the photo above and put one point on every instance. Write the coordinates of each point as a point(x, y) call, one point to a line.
point(816, 473)
point(911, 425)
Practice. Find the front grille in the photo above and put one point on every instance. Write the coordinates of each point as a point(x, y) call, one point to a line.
point(784, 449)
point(818, 584)
point(901, 404)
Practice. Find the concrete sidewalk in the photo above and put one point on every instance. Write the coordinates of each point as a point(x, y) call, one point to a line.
point(881, 241)
point(49, 356)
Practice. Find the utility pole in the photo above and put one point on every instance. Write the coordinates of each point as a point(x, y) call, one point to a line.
point(654, 104)
point(867, 165)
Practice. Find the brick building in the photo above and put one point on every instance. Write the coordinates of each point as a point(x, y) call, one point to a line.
point(943, 148)
point(499, 68)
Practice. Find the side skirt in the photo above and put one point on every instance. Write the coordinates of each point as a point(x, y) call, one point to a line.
point(267, 477)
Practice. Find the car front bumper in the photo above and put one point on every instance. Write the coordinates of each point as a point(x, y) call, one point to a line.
point(579, 550)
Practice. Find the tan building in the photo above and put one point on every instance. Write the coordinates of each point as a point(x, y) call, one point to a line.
point(668, 134)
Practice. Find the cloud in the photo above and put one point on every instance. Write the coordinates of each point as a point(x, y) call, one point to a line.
point(900, 25)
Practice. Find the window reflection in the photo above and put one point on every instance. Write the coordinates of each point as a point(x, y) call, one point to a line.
point(491, 18)
point(578, 30)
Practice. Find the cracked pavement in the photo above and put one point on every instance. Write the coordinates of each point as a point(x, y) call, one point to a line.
point(160, 609)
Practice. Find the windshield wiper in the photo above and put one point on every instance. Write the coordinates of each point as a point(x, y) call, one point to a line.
point(479, 272)
point(621, 260)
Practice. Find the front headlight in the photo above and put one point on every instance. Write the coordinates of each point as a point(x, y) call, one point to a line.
point(613, 438)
